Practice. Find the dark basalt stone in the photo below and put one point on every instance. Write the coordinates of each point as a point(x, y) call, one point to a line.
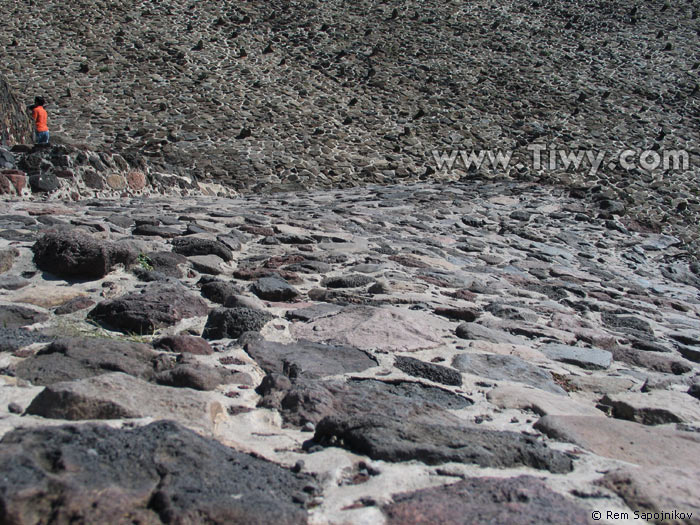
point(15, 126)
point(156, 306)
point(626, 323)
point(311, 313)
point(167, 263)
point(73, 253)
point(431, 371)
point(651, 360)
point(44, 183)
point(391, 439)
point(348, 281)
point(459, 314)
point(233, 322)
point(219, 291)
point(301, 398)
point(71, 359)
point(189, 246)
point(12, 339)
point(151, 230)
point(474, 501)
point(160, 473)
point(274, 289)
point(194, 375)
point(74, 305)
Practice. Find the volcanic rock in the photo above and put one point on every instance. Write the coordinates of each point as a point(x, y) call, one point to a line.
point(506, 367)
point(233, 322)
point(74, 253)
point(15, 316)
point(438, 373)
point(307, 358)
point(274, 289)
point(473, 501)
point(70, 359)
point(156, 306)
point(158, 473)
point(189, 246)
point(117, 395)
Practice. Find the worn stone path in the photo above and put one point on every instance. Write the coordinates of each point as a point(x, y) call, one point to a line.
point(387, 349)
point(269, 95)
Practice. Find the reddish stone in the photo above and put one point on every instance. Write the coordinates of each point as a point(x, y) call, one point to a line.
point(64, 174)
point(19, 181)
point(433, 280)
point(461, 294)
point(256, 230)
point(283, 260)
point(136, 180)
point(184, 344)
point(251, 274)
point(5, 186)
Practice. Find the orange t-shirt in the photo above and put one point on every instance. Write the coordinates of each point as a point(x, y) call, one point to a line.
point(41, 119)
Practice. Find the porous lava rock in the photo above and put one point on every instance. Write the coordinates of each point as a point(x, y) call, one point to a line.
point(233, 322)
point(74, 253)
point(70, 359)
point(159, 473)
point(524, 500)
point(156, 306)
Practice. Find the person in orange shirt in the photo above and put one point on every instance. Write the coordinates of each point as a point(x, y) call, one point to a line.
point(41, 120)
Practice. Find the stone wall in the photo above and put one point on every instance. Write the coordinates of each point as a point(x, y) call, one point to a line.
point(64, 172)
point(15, 125)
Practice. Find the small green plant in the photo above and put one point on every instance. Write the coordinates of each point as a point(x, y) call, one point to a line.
point(145, 262)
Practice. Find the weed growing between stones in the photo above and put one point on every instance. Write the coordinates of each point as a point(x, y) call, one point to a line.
point(145, 262)
point(91, 329)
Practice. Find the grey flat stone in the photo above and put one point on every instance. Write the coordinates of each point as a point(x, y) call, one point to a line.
point(653, 408)
point(311, 313)
point(588, 358)
point(117, 395)
point(506, 367)
point(16, 316)
point(274, 289)
point(477, 332)
point(304, 357)
point(209, 264)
